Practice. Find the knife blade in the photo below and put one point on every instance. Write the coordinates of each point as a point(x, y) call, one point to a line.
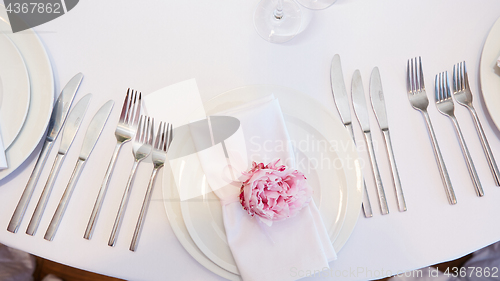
point(57, 118)
point(378, 104)
point(377, 98)
point(339, 90)
point(359, 101)
point(361, 111)
point(342, 103)
point(69, 132)
point(91, 136)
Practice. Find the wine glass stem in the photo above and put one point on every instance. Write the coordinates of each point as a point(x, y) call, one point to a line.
point(278, 13)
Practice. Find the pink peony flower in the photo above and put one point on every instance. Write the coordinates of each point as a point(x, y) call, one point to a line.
point(274, 192)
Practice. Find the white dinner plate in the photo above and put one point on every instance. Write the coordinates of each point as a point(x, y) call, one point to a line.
point(42, 94)
point(14, 91)
point(489, 73)
point(198, 222)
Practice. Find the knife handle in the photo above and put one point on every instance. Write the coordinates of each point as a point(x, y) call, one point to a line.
point(18, 215)
point(42, 202)
point(367, 206)
point(63, 204)
point(376, 174)
point(450, 193)
point(102, 192)
point(395, 175)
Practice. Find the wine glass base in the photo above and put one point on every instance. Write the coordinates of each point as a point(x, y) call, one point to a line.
point(274, 29)
point(316, 4)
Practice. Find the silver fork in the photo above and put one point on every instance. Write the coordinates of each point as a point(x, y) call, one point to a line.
point(418, 99)
point(125, 131)
point(160, 149)
point(444, 104)
point(463, 96)
point(141, 148)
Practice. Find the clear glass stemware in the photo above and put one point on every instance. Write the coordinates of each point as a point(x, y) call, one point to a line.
point(277, 21)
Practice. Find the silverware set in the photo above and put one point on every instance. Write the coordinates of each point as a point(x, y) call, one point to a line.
point(71, 126)
point(131, 125)
point(361, 112)
point(444, 103)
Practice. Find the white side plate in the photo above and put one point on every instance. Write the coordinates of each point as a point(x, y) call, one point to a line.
point(42, 94)
point(14, 91)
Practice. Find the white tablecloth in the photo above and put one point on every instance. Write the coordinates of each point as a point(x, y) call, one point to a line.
point(147, 45)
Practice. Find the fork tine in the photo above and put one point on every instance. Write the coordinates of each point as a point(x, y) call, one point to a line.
point(456, 78)
point(158, 136)
point(139, 129)
point(169, 137)
point(151, 132)
point(447, 81)
point(163, 136)
point(144, 130)
point(138, 110)
point(408, 84)
point(125, 107)
point(412, 78)
point(131, 103)
point(466, 77)
point(421, 74)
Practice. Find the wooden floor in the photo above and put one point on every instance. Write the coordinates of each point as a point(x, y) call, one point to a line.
point(45, 267)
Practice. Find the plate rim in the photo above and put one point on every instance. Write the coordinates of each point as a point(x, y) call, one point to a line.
point(27, 92)
point(43, 89)
point(354, 207)
point(485, 61)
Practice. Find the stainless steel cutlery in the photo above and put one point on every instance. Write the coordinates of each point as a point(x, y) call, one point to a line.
point(342, 103)
point(73, 123)
point(141, 148)
point(125, 131)
point(160, 149)
point(378, 104)
point(56, 122)
point(444, 104)
point(361, 111)
point(463, 95)
point(418, 99)
point(91, 136)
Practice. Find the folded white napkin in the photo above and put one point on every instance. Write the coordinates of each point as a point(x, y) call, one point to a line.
point(266, 252)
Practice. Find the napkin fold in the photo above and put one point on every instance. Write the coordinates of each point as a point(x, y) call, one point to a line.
point(266, 252)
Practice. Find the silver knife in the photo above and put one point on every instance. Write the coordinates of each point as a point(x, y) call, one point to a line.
point(342, 103)
point(91, 136)
point(359, 102)
point(378, 104)
point(56, 122)
point(70, 129)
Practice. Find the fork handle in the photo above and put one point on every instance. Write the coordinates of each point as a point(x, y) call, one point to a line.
point(144, 209)
point(376, 174)
point(366, 205)
point(486, 147)
point(395, 175)
point(123, 206)
point(450, 193)
point(468, 160)
point(102, 192)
